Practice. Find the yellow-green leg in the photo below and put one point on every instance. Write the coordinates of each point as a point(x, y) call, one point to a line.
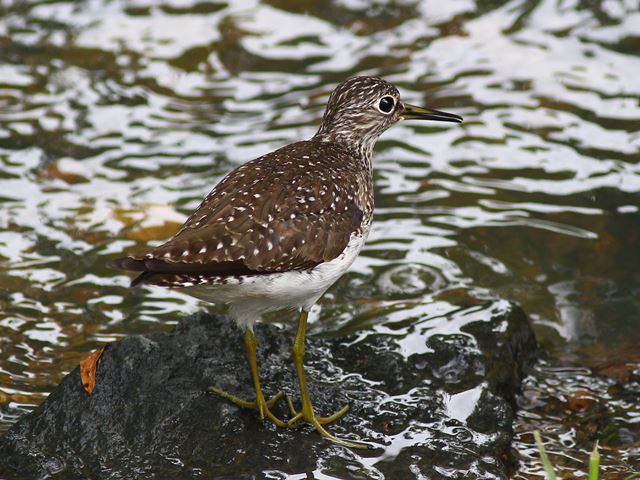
point(306, 412)
point(260, 404)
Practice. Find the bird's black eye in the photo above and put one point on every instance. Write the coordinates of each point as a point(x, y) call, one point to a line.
point(386, 104)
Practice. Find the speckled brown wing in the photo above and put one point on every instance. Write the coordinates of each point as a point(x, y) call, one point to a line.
point(280, 212)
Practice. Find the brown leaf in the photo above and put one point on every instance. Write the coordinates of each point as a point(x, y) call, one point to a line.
point(150, 222)
point(88, 368)
point(65, 170)
point(156, 232)
point(621, 372)
point(580, 400)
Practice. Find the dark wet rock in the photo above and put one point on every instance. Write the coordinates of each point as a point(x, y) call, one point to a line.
point(443, 411)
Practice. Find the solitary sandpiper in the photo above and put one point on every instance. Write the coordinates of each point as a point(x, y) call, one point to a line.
point(279, 230)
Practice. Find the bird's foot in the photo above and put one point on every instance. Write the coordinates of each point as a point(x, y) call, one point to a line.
point(306, 414)
point(260, 404)
point(296, 415)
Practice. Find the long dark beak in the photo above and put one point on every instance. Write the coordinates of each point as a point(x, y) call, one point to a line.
point(411, 112)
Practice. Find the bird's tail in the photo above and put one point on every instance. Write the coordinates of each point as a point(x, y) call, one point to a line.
point(131, 264)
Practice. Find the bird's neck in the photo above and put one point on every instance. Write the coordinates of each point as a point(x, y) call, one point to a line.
point(360, 147)
point(359, 155)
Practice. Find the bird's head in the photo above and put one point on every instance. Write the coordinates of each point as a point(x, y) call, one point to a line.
point(360, 109)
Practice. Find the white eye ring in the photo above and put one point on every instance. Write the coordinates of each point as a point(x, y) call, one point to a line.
point(386, 104)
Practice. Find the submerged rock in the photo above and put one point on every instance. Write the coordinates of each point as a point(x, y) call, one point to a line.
point(440, 409)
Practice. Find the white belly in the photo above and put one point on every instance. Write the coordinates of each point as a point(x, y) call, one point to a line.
point(251, 296)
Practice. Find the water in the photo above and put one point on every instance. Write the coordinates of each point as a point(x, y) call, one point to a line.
point(117, 117)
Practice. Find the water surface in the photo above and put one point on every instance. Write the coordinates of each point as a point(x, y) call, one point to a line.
point(116, 117)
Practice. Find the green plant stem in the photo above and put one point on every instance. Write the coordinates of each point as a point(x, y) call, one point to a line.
point(594, 464)
point(548, 468)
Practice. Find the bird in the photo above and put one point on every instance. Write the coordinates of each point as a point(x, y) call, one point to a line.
point(278, 231)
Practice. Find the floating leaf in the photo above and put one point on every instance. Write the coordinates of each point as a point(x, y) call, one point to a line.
point(150, 222)
point(69, 171)
point(580, 400)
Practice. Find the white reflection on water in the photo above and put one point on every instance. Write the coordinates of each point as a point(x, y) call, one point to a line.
point(461, 405)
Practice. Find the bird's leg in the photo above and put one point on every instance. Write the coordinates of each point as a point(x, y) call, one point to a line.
point(260, 404)
point(306, 412)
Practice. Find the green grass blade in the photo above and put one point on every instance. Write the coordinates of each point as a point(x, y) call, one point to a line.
point(548, 468)
point(632, 476)
point(594, 464)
